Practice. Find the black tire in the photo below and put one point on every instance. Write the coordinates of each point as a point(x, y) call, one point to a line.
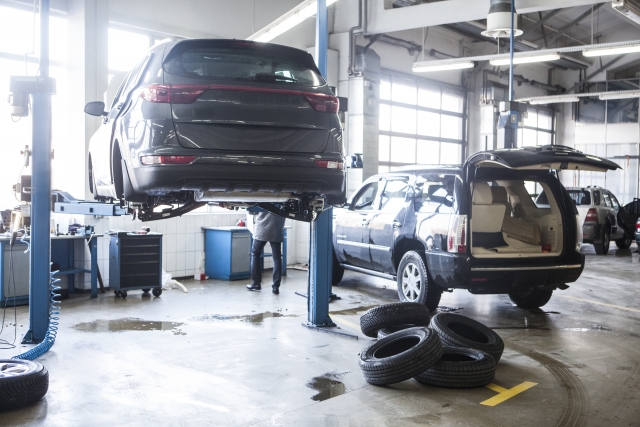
point(337, 272)
point(456, 330)
point(22, 383)
point(413, 282)
point(388, 315)
point(460, 368)
point(535, 298)
point(602, 248)
point(400, 356)
point(624, 243)
point(156, 292)
point(392, 330)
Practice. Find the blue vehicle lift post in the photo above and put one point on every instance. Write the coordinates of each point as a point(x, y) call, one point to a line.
point(321, 229)
point(40, 255)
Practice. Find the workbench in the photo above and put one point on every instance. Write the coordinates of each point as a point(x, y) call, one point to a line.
point(62, 253)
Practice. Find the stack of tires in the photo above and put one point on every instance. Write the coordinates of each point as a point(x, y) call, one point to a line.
point(449, 350)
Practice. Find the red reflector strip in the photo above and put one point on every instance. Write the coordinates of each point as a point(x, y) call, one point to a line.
point(325, 164)
point(167, 160)
point(479, 279)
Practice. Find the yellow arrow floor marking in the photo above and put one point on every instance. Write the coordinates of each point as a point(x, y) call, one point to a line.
point(505, 394)
point(339, 319)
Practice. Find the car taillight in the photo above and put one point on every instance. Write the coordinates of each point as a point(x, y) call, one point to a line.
point(323, 103)
point(592, 216)
point(638, 226)
point(457, 237)
point(166, 160)
point(325, 164)
point(579, 236)
point(174, 94)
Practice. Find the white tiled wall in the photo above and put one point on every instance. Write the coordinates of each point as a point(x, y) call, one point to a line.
point(182, 242)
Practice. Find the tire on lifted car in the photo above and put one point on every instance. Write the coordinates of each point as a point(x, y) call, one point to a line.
point(414, 284)
point(535, 298)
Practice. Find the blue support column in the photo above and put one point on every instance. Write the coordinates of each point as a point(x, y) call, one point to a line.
point(322, 37)
point(320, 269)
point(40, 276)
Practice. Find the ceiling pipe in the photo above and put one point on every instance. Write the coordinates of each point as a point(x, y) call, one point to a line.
point(361, 28)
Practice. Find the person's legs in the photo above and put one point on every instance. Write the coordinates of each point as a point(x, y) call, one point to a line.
point(256, 271)
point(276, 250)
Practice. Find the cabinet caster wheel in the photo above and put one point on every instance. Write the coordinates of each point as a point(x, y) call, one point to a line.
point(146, 291)
point(157, 292)
point(117, 293)
point(123, 294)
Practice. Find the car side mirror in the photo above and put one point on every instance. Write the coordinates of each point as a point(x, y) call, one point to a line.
point(95, 108)
point(343, 103)
point(355, 161)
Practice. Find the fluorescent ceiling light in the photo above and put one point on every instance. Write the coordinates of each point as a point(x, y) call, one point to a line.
point(553, 100)
point(620, 95)
point(424, 67)
point(287, 21)
point(526, 59)
point(612, 50)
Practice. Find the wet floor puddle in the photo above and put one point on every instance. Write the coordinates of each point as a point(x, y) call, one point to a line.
point(328, 385)
point(249, 318)
point(447, 309)
point(592, 327)
point(129, 324)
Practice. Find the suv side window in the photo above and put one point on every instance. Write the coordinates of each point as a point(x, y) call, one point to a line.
point(367, 197)
point(607, 200)
point(596, 198)
point(616, 205)
point(434, 193)
point(394, 194)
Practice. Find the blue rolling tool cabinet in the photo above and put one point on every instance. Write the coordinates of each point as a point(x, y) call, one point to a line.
point(135, 262)
point(227, 252)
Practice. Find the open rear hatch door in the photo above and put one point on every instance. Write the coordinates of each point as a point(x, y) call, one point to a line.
point(546, 157)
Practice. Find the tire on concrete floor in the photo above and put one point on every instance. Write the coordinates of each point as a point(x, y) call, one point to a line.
point(456, 330)
point(625, 242)
point(460, 368)
point(536, 298)
point(22, 383)
point(400, 356)
point(388, 315)
point(392, 330)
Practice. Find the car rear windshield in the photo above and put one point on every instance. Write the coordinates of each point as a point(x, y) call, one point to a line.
point(244, 62)
point(580, 197)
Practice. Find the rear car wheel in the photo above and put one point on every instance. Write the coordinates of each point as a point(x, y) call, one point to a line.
point(602, 248)
point(536, 298)
point(624, 243)
point(336, 272)
point(413, 282)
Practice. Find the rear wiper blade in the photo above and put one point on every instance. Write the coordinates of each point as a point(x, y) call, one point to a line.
point(274, 77)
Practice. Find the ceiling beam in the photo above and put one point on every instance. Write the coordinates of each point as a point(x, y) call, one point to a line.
point(567, 27)
point(381, 20)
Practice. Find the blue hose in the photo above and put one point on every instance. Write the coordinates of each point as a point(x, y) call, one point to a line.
point(50, 337)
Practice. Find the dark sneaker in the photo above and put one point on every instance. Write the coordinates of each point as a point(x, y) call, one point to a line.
point(275, 290)
point(254, 287)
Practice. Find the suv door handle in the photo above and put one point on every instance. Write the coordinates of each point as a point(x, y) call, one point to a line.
point(397, 224)
point(365, 222)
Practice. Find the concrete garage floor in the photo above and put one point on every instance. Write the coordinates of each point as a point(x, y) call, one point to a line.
point(223, 356)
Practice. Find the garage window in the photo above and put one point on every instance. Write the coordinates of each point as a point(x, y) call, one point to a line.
point(421, 122)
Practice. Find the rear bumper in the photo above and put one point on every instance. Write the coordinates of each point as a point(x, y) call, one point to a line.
point(242, 175)
point(463, 272)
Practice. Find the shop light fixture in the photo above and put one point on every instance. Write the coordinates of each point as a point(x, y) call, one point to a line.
point(615, 50)
point(425, 67)
point(553, 100)
point(526, 59)
point(620, 95)
point(287, 21)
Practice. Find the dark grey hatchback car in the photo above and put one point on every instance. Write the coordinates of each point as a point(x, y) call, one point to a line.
point(474, 227)
point(227, 121)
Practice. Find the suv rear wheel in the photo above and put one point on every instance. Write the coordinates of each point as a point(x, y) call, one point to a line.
point(602, 248)
point(535, 298)
point(413, 282)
